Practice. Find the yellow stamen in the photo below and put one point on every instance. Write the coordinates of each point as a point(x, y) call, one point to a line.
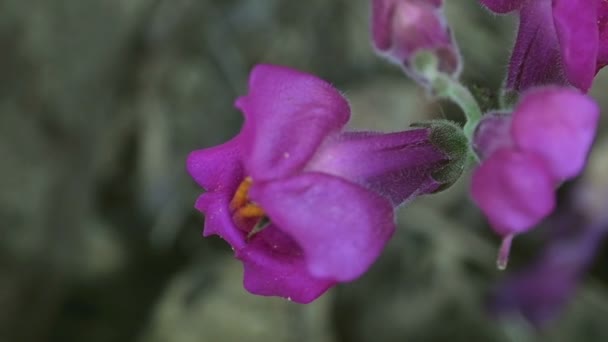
point(250, 211)
point(240, 196)
point(248, 216)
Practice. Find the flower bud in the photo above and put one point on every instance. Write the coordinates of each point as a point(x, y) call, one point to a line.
point(402, 28)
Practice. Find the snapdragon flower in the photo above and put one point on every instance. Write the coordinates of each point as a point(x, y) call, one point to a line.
point(304, 204)
point(527, 154)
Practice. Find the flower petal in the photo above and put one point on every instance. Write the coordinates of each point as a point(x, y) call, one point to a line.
point(288, 115)
point(219, 171)
point(502, 6)
point(273, 263)
point(559, 124)
point(536, 57)
point(275, 266)
point(514, 190)
point(395, 165)
point(576, 23)
point(602, 21)
point(382, 13)
point(218, 219)
point(217, 167)
point(492, 133)
point(540, 291)
point(340, 227)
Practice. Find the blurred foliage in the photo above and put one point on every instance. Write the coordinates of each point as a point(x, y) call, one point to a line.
point(100, 102)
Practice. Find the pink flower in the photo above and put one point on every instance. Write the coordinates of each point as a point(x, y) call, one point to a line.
point(304, 204)
point(559, 41)
point(528, 154)
point(401, 28)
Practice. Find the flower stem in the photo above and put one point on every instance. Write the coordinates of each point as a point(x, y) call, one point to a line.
point(459, 94)
point(444, 86)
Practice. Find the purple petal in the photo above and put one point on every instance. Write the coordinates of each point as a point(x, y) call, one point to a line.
point(537, 294)
point(382, 12)
point(218, 218)
point(503, 6)
point(217, 167)
point(395, 165)
point(577, 29)
point(382, 19)
point(275, 266)
point(602, 22)
point(536, 58)
point(218, 170)
point(340, 227)
point(540, 292)
point(492, 133)
point(514, 190)
point(288, 115)
point(559, 124)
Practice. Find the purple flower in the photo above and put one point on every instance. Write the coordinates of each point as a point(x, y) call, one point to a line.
point(539, 292)
point(303, 204)
point(528, 154)
point(559, 41)
point(401, 28)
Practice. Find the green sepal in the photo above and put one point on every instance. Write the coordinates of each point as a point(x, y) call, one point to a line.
point(425, 63)
point(449, 138)
point(262, 224)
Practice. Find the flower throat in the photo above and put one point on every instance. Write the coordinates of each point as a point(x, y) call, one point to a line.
point(247, 215)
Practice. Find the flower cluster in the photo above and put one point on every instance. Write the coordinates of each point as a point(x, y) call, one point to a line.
point(306, 204)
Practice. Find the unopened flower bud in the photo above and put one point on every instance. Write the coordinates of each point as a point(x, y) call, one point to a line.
point(402, 28)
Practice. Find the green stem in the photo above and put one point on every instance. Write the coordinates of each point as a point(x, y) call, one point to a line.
point(444, 86)
point(460, 95)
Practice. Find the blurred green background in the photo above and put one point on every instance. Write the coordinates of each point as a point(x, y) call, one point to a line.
point(101, 101)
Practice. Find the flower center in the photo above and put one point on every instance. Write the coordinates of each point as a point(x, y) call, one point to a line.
point(247, 215)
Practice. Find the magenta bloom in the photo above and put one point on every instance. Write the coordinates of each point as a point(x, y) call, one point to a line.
point(559, 41)
point(539, 292)
point(323, 197)
point(528, 154)
point(401, 28)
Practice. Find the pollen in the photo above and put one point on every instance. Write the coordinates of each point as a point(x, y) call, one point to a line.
point(250, 211)
point(246, 214)
point(240, 198)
